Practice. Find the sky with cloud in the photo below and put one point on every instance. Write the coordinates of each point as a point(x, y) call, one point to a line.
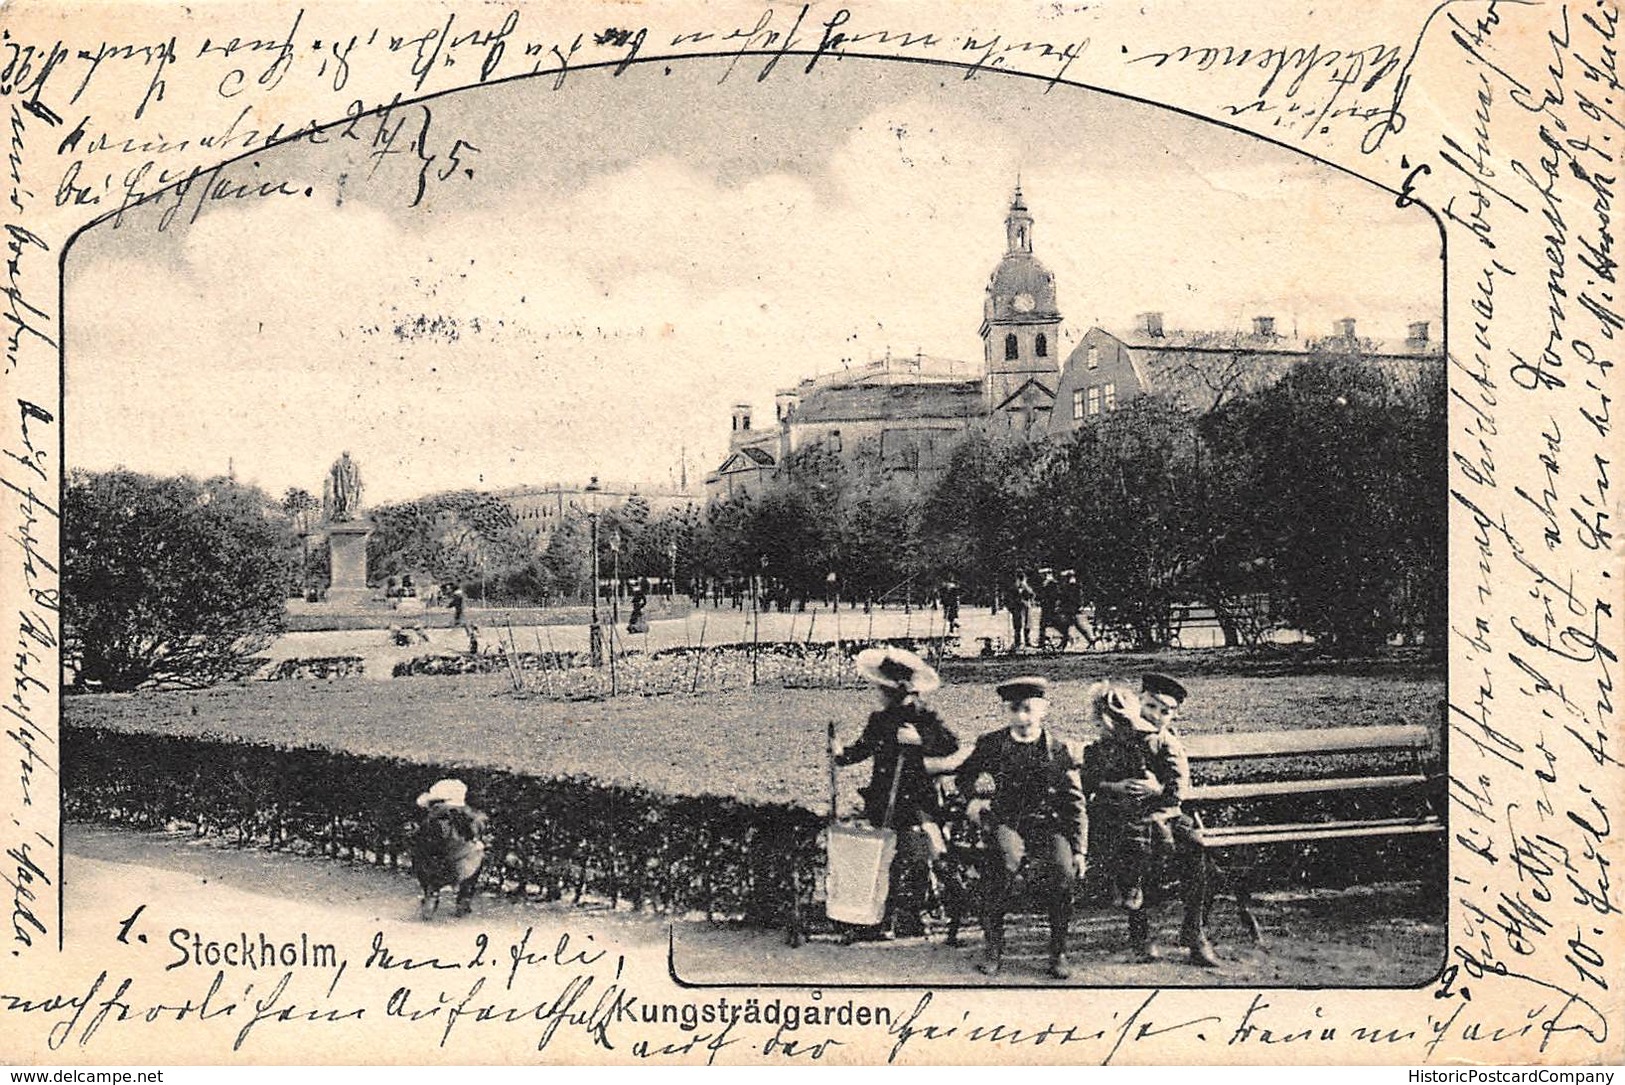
point(634, 254)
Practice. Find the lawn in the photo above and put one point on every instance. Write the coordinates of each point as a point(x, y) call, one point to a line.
point(760, 744)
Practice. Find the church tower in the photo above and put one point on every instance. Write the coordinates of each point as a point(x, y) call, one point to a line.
point(1020, 329)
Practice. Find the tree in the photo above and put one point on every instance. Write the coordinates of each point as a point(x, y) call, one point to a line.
point(568, 558)
point(978, 522)
point(1342, 508)
point(879, 530)
point(1119, 505)
point(723, 544)
point(623, 526)
point(170, 581)
point(455, 537)
point(304, 511)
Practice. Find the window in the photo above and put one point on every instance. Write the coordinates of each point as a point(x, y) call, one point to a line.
point(1094, 357)
point(1042, 346)
point(1011, 352)
point(1094, 401)
point(1077, 404)
point(1111, 397)
point(834, 440)
point(744, 421)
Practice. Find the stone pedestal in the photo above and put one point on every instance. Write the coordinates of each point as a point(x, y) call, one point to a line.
point(347, 554)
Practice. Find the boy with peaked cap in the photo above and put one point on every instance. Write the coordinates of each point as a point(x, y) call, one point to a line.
point(1036, 811)
point(901, 737)
point(1161, 699)
point(1136, 774)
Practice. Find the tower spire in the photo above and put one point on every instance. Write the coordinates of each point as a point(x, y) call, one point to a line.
point(1018, 224)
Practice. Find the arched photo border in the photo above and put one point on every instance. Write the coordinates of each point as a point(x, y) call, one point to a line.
point(1404, 199)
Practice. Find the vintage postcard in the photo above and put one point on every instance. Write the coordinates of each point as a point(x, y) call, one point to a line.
point(848, 534)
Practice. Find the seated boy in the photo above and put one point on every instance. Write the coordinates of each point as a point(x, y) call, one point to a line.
point(1036, 812)
point(1136, 776)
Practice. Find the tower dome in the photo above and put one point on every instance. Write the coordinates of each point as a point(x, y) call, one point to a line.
point(1021, 289)
point(1021, 325)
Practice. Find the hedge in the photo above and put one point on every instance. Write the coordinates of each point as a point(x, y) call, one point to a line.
point(316, 667)
point(561, 838)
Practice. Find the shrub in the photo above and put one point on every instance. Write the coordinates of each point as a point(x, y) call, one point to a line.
point(170, 581)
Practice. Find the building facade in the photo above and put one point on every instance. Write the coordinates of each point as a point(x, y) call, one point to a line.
point(905, 416)
point(541, 509)
point(1202, 371)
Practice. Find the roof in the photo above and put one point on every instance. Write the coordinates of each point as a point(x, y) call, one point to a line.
point(1021, 393)
point(1203, 369)
point(1176, 340)
point(913, 369)
point(958, 399)
point(1020, 273)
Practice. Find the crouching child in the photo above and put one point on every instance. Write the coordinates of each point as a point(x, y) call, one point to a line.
point(449, 848)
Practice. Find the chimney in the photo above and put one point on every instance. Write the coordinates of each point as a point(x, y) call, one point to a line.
point(1264, 327)
point(1150, 324)
point(1344, 328)
point(1416, 335)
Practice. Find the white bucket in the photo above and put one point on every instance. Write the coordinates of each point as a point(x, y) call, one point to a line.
point(858, 878)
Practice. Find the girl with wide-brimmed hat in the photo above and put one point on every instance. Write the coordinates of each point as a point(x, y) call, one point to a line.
point(899, 738)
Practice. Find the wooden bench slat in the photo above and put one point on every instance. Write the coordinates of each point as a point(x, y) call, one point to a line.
point(1266, 788)
point(1242, 830)
point(1222, 747)
point(1291, 834)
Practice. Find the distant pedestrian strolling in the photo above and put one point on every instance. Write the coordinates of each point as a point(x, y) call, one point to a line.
point(1021, 603)
point(950, 605)
point(638, 623)
point(1069, 611)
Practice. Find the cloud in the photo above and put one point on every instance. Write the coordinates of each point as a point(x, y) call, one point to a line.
point(544, 336)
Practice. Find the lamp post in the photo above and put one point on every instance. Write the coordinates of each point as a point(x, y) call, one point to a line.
point(595, 631)
point(758, 586)
point(671, 577)
point(615, 597)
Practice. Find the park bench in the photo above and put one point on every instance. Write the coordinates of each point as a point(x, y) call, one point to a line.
point(1334, 771)
point(1331, 772)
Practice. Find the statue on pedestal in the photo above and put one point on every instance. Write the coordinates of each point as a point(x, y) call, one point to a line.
point(346, 529)
point(341, 493)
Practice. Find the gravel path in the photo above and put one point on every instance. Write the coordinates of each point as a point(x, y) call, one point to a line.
point(1356, 938)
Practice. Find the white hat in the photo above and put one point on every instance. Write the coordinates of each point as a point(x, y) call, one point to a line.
point(1111, 703)
point(897, 668)
point(450, 792)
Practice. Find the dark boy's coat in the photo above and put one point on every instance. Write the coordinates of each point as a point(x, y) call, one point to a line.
point(1049, 796)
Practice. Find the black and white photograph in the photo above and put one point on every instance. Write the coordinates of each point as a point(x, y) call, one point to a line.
point(850, 537)
point(966, 532)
